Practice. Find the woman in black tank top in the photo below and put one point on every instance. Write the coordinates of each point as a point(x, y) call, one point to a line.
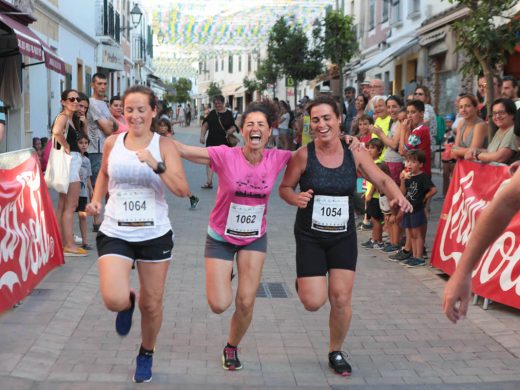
point(324, 229)
point(66, 136)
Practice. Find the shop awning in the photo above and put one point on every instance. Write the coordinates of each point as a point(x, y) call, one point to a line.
point(31, 45)
point(383, 58)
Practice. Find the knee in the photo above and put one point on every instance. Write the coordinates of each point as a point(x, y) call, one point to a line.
point(341, 300)
point(245, 304)
point(312, 304)
point(150, 307)
point(218, 306)
point(116, 303)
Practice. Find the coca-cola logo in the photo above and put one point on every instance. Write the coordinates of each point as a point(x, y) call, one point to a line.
point(25, 240)
point(500, 260)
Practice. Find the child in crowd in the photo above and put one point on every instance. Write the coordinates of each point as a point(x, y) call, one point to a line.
point(375, 148)
point(416, 134)
point(364, 123)
point(363, 133)
point(85, 191)
point(37, 145)
point(391, 219)
point(418, 188)
point(164, 127)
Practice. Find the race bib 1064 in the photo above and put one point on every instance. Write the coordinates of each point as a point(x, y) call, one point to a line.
point(135, 208)
point(330, 213)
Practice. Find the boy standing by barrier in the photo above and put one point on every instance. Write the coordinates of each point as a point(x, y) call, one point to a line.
point(418, 188)
point(375, 148)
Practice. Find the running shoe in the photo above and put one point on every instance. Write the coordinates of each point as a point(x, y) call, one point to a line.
point(230, 359)
point(400, 255)
point(194, 201)
point(378, 245)
point(414, 262)
point(367, 244)
point(143, 368)
point(389, 248)
point(339, 364)
point(364, 227)
point(124, 318)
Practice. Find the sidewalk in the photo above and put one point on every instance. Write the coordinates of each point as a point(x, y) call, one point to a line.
point(62, 337)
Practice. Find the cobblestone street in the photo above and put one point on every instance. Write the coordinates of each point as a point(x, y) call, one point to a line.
point(62, 337)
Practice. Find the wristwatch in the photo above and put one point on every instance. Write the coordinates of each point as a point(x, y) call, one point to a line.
point(161, 167)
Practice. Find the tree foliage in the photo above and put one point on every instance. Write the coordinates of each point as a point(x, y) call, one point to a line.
point(336, 36)
point(290, 50)
point(267, 73)
point(181, 88)
point(251, 85)
point(484, 42)
point(214, 90)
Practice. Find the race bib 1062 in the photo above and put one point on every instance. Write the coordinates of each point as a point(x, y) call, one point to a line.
point(244, 221)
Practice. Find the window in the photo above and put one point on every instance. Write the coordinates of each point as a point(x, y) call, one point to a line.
point(249, 63)
point(222, 64)
point(396, 11)
point(414, 7)
point(372, 15)
point(230, 64)
point(386, 6)
point(240, 63)
point(216, 65)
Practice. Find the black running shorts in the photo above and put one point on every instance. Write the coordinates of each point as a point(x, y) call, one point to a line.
point(315, 256)
point(156, 249)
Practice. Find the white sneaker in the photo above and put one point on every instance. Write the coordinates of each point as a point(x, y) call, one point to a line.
point(77, 240)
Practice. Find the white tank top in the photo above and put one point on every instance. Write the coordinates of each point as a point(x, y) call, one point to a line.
point(126, 172)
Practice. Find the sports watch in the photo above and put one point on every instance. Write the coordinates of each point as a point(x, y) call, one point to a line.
point(161, 167)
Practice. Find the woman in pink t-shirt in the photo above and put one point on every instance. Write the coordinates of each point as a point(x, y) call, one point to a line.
point(237, 224)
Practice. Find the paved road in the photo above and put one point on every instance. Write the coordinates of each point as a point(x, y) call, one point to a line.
point(61, 336)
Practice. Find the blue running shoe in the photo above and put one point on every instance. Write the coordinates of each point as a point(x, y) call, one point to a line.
point(124, 318)
point(143, 368)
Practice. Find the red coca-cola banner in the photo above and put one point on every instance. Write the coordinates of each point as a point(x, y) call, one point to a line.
point(30, 244)
point(472, 187)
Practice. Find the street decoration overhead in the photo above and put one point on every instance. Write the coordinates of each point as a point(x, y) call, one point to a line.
point(195, 30)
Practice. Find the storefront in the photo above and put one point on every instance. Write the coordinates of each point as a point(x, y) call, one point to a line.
point(111, 60)
point(23, 57)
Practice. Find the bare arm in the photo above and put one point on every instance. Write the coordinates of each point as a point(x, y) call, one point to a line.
point(203, 130)
point(295, 168)
point(502, 155)
point(382, 181)
point(2, 131)
point(498, 214)
point(101, 189)
point(196, 154)
point(106, 126)
point(392, 143)
point(458, 151)
point(174, 177)
point(58, 130)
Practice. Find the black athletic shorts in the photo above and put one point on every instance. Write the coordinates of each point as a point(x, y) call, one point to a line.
point(156, 249)
point(315, 256)
point(82, 204)
point(374, 211)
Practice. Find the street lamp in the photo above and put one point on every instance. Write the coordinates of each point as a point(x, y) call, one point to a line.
point(135, 16)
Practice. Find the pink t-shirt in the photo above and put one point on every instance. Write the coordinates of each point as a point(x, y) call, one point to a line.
point(243, 184)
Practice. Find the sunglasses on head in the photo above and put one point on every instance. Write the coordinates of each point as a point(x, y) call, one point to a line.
point(73, 99)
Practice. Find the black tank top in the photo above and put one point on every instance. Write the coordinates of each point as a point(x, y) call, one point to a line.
point(72, 138)
point(340, 181)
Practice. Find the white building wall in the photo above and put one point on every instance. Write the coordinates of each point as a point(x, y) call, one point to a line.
point(76, 42)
